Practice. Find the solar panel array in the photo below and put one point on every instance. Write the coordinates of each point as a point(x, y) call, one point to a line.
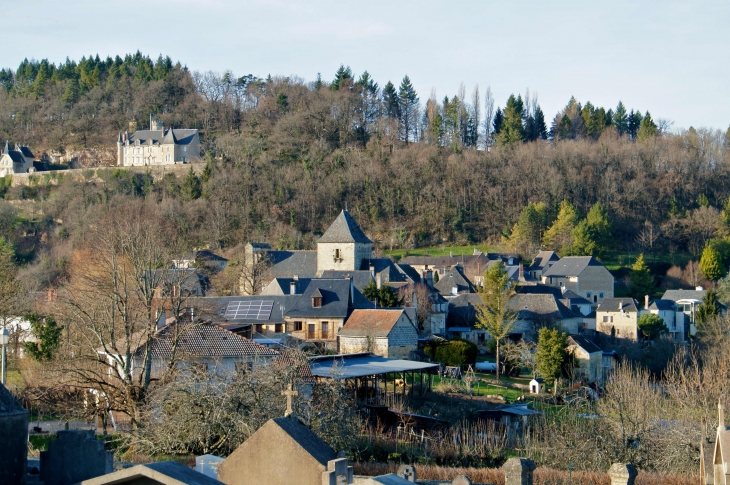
point(249, 310)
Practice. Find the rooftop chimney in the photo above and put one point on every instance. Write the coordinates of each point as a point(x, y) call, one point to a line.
point(646, 301)
point(454, 290)
point(378, 282)
point(293, 287)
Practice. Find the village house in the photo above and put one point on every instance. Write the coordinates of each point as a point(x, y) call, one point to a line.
point(19, 160)
point(201, 258)
point(202, 344)
point(157, 146)
point(535, 311)
point(472, 266)
point(453, 283)
point(583, 275)
point(384, 332)
point(618, 317)
point(541, 263)
point(588, 358)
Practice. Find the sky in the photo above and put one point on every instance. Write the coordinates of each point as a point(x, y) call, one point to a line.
point(669, 57)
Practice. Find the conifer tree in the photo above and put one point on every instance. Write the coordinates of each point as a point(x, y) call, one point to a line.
point(651, 326)
point(710, 264)
point(592, 236)
point(494, 316)
point(642, 282)
point(540, 125)
point(647, 129)
point(621, 119)
point(498, 122)
point(391, 103)
point(559, 237)
point(707, 309)
point(343, 78)
point(527, 232)
point(408, 109)
point(551, 357)
point(512, 130)
point(71, 94)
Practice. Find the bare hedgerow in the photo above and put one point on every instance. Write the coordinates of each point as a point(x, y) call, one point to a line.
point(200, 411)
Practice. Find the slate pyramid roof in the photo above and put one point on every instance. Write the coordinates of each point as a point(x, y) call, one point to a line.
point(344, 230)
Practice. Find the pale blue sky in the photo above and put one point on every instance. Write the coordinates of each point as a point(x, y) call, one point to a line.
point(665, 56)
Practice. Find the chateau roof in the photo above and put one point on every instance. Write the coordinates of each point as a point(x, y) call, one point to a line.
point(177, 136)
point(344, 230)
point(377, 323)
point(571, 266)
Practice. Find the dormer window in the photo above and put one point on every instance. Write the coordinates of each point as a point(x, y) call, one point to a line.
point(316, 302)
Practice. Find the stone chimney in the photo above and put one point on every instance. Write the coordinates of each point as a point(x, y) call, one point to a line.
point(518, 471)
point(622, 474)
point(293, 287)
point(521, 274)
point(378, 281)
point(646, 302)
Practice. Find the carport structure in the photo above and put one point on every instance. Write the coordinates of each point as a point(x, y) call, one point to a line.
point(372, 377)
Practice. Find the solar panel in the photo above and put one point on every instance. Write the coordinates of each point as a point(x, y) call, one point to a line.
point(249, 310)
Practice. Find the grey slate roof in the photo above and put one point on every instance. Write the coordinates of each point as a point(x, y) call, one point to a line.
point(189, 279)
point(542, 259)
point(214, 308)
point(410, 271)
point(462, 309)
point(388, 270)
point(661, 305)
point(537, 306)
point(539, 289)
point(287, 264)
point(360, 278)
point(179, 136)
point(575, 298)
point(282, 286)
point(571, 266)
point(26, 152)
point(336, 301)
point(676, 295)
point(344, 230)
point(453, 278)
point(617, 304)
point(204, 340)
point(585, 344)
point(304, 437)
point(164, 473)
point(8, 404)
point(15, 156)
point(203, 255)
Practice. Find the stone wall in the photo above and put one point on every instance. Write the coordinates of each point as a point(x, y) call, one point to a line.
point(97, 175)
point(596, 280)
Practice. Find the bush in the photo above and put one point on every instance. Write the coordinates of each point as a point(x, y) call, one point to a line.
point(454, 352)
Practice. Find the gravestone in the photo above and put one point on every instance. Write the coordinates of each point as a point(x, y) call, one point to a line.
point(162, 473)
point(339, 472)
point(389, 479)
point(73, 457)
point(461, 480)
point(208, 465)
point(281, 452)
point(622, 474)
point(13, 439)
point(408, 472)
point(518, 471)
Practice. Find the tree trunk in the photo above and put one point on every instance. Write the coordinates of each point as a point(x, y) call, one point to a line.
point(497, 361)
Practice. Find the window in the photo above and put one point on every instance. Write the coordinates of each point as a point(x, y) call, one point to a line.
point(297, 326)
point(278, 328)
point(338, 254)
point(316, 302)
point(595, 298)
point(311, 331)
point(325, 330)
point(588, 295)
point(600, 295)
point(607, 319)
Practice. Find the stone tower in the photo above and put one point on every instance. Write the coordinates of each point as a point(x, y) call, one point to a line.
point(344, 246)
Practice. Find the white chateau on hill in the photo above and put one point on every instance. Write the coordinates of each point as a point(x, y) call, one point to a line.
point(157, 146)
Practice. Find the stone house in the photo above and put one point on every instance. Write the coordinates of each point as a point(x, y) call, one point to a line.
point(541, 263)
point(323, 308)
point(281, 452)
point(618, 317)
point(588, 358)
point(583, 275)
point(343, 246)
point(387, 333)
point(535, 311)
point(19, 160)
point(674, 318)
point(201, 258)
point(454, 283)
point(203, 344)
point(157, 146)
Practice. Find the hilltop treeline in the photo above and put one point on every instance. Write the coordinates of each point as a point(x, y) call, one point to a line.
point(284, 156)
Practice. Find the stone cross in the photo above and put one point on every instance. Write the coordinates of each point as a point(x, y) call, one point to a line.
point(289, 393)
point(408, 472)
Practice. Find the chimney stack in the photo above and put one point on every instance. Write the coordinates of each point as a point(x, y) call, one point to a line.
point(293, 287)
point(646, 302)
point(378, 282)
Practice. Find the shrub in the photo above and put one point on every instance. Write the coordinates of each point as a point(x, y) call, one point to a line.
point(454, 352)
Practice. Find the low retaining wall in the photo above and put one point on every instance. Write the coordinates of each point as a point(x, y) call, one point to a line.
point(55, 177)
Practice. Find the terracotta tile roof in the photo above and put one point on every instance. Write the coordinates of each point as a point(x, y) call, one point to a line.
point(373, 322)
